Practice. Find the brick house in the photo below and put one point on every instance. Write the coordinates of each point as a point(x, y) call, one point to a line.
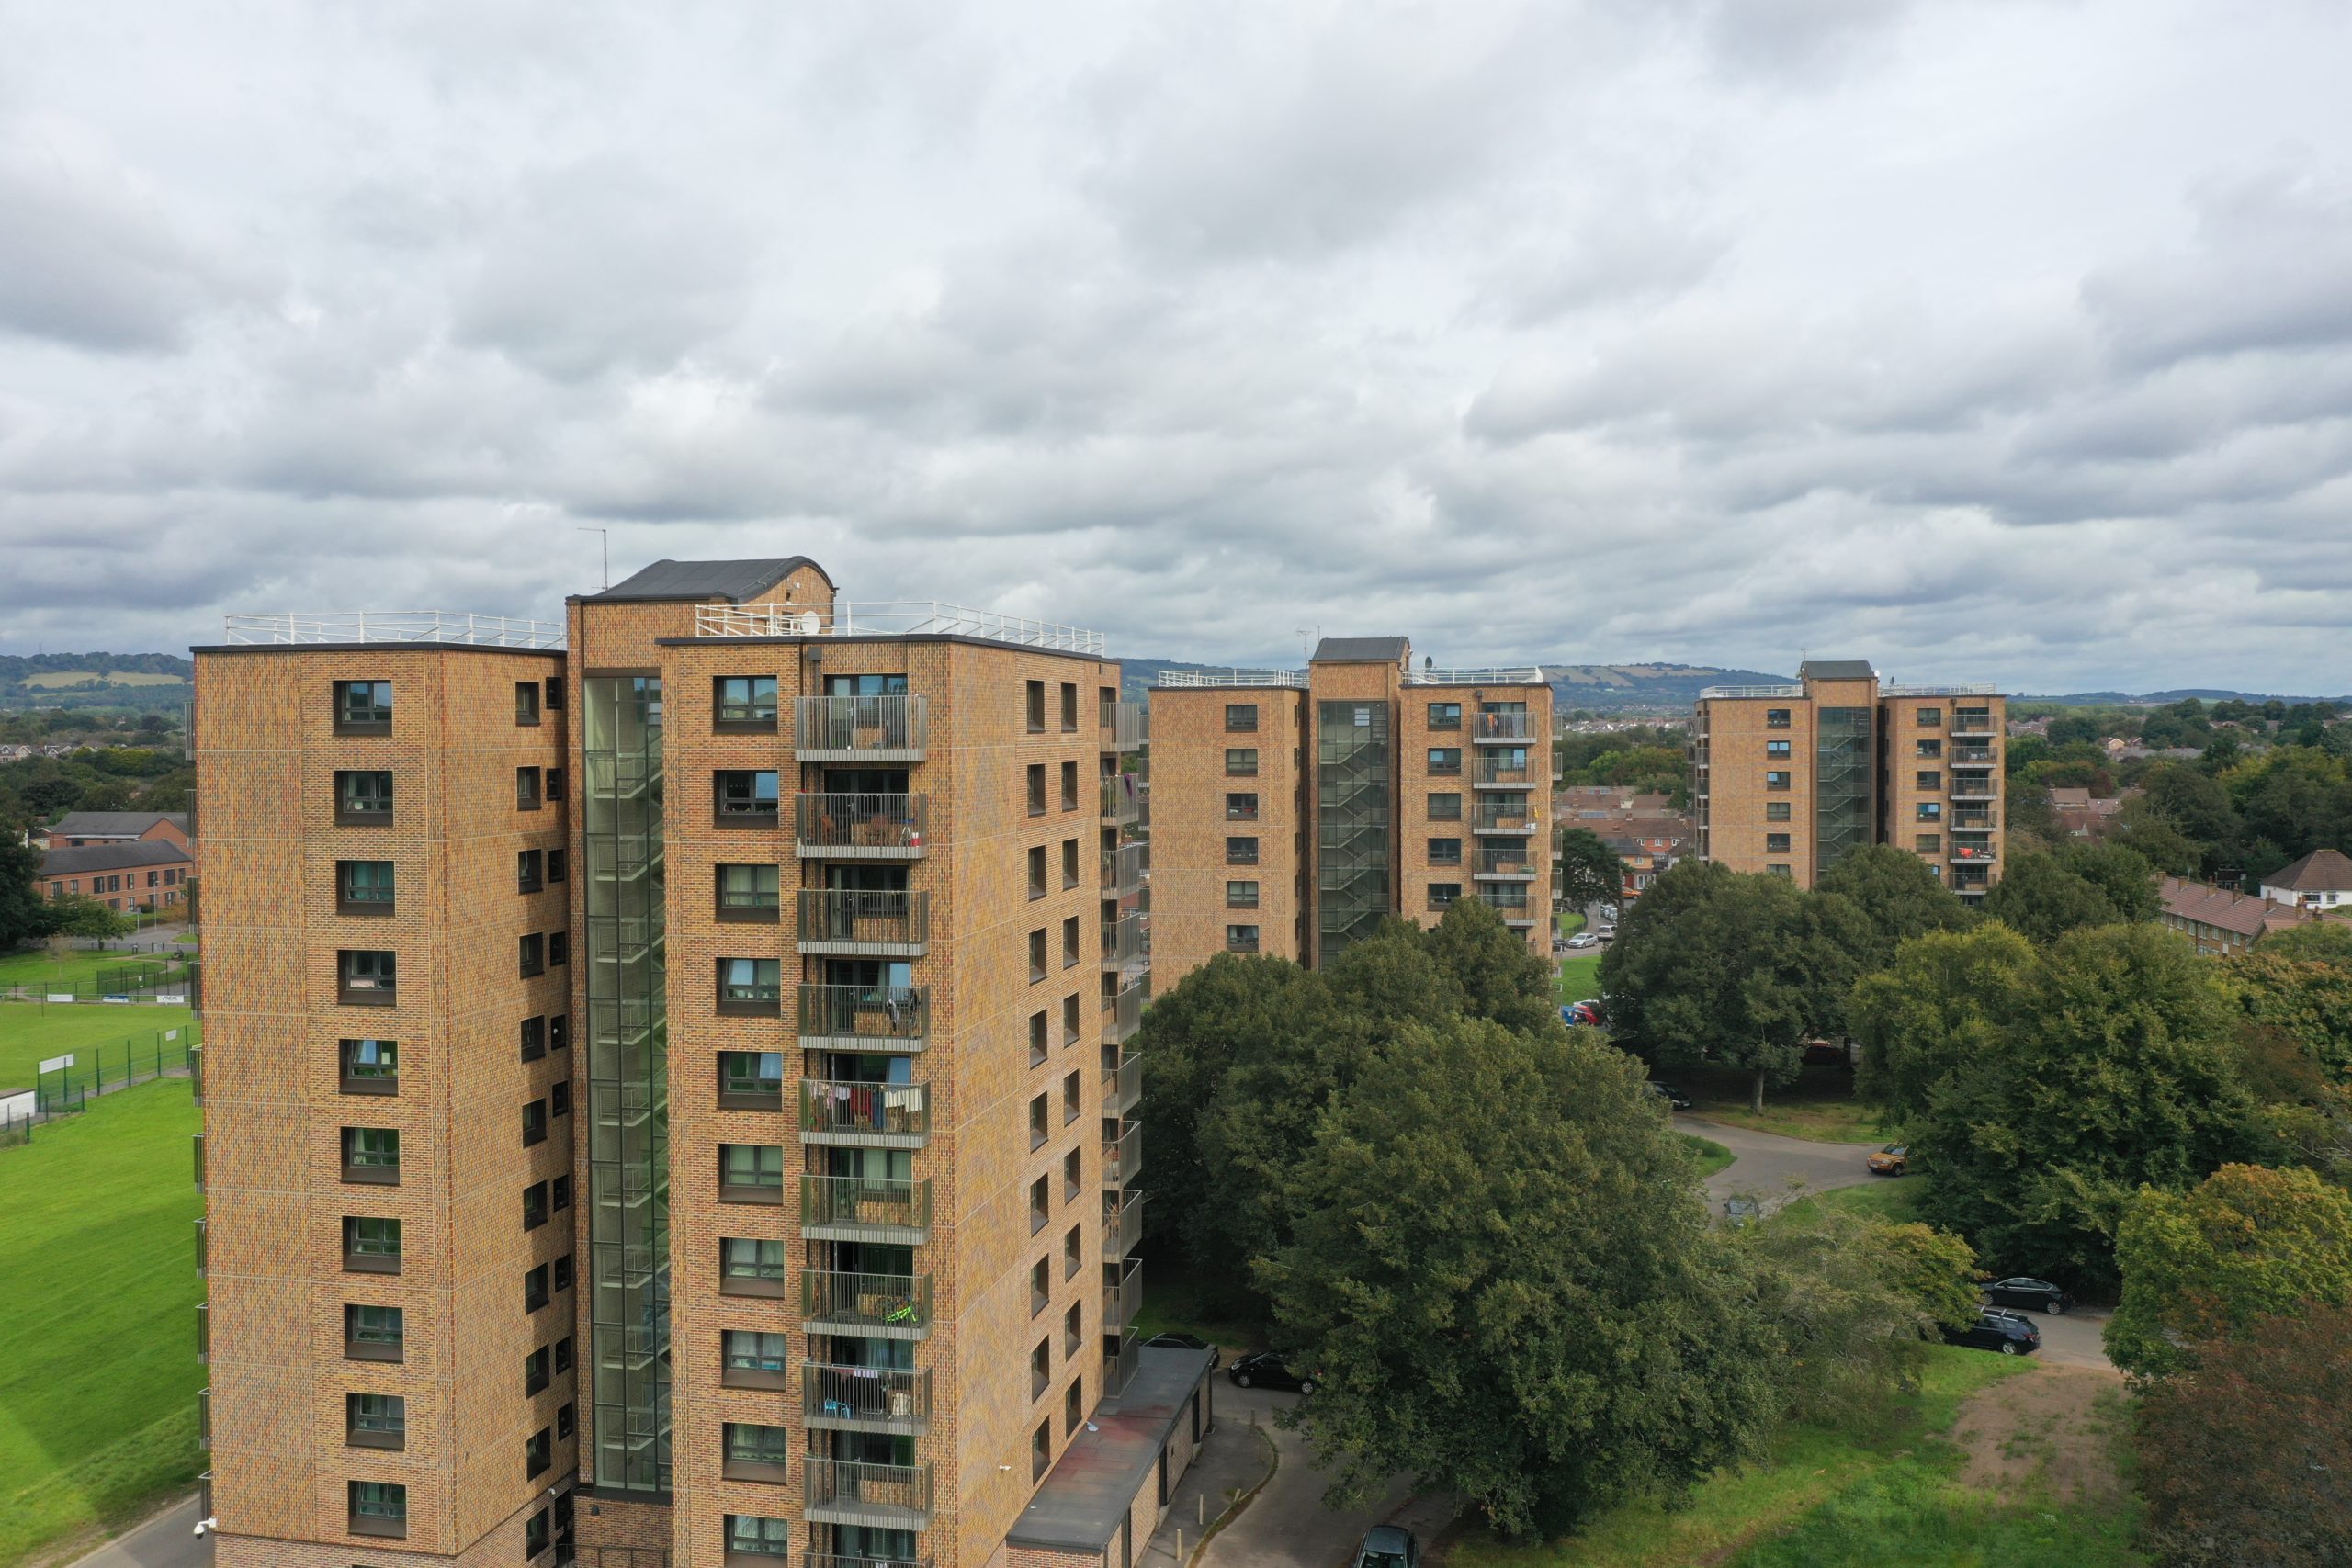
point(150, 874)
point(80, 829)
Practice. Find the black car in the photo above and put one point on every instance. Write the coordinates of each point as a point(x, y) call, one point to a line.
point(2035, 1295)
point(1265, 1369)
point(2012, 1334)
point(1674, 1098)
point(1188, 1342)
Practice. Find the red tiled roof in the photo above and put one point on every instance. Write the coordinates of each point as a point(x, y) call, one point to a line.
point(2248, 915)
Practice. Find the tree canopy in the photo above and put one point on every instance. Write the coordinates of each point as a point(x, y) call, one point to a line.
point(1934, 1010)
point(1897, 895)
point(2042, 895)
point(1591, 871)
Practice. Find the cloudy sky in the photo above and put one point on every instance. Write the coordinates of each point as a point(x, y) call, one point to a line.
point(2009, 339)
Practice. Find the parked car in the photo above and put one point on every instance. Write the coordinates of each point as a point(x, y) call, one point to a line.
point(1742, 1212)
point(2012, 1334)
point(1188, 1342)
point(1827, 1053)
point(1893, 1160)
point(1674, 1098)
point(1605, 935)
point(1585, 1012)
point(1584, 939)
point(2021, 1291)
point(1389, 1546)
point(1265, 1369)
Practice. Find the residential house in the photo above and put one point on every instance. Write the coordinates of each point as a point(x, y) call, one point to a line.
point(149, 874)
point(79, 829)
point(2321, 880)
point(2221, 922)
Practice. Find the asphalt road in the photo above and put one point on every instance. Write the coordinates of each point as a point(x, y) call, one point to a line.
point(1773, 1170)
point(2072, 1339)
point(167, 1540)
point(1286, 1525)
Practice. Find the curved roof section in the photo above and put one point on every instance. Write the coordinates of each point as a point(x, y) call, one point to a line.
point(738, 581)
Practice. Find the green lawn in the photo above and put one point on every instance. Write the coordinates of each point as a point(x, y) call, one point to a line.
point(38, 971)
point(1820, 1105)
point(97, 1329)
point(1880, 1494)
point(1713, 1155)
point(1568, 922)
point(1579, 974)
point(31, 1032)
point(1177, 1302)
point(1892, 1198)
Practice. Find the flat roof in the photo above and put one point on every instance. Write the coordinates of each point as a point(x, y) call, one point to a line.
point(1089, 1491)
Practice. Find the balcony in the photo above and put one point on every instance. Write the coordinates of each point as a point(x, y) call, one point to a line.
point(1123, 1225)
point(1124, 870)
point(1124, 942)
point(1126, 727)
point(1980, 820)
point(882, 1306)
point(1503, 815)
point(861, 729)
point(1502, 729)
point(865, 1399)
point(1123, 1011)
point(864, 1115)
point(865, 1018)
point(1121, 799)
point(203, 1333)
point(201, 1248)
point(1492, 772)
point(862, 826)
point(865, 923)
point(1972, 721)
point(1510, 862)
point(1973, 855)
point(1975, 787)
point(200, 1161)
point(1508, 900)
point(854, 1207)
point(1122, 1087)
point(1122, 1294)
point(1972, 754)
point(1119, 1359)
point(828, 1560)
point(1123, 1155)
point(847, 1492)
point(204, 1418)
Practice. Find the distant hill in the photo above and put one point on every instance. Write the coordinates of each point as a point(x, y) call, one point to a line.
point(2157, 699)
point(145, 681)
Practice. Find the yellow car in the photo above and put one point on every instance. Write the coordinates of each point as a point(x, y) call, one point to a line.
point(1893, 1160)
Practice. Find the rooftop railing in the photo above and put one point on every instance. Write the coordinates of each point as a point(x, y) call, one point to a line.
point(397, 625)
point(1740, 693)
point(1179, 679)
point(1964, 689)
point(891, 617)
point(1503, 675)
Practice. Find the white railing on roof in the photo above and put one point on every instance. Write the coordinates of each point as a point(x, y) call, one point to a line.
point(893, 617)
point(1179, 679)
point(1524, 675)
point(1964, 689)
point(1708, 693)
point(397, 625)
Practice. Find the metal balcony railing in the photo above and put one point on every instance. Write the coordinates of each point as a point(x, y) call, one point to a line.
point(1123, 1155)
point(869, 1399)
point(877, 1115)
point(1506, 860)
point(1126, 727)
point(1121, 797)
point(1124, 869)
point(866, 922)
point(1503, 815)
point(1974, 754)
point(829, 1560)
point(857, 1208)
point(1122, 1087)
point(200, 1161)
point(1123, 941)
point(862, 826)
point(1119, 1359)
point(1123, 1225)
point(204, 1417)
point(1972, 721)
point(1122, 1294)
point(869, 1017)
point(202, 1249)
point(887, 1306)
point(1973, 855)
point(1491, 771)
point(1502, 728)
point(848, 1492)
point(203, 1333)
point(1123, 1011)
point(397, 625)
point(861, 729)
point(1178, 679)
point(1982, 820)
point(1977, 786)
point(1508, 900)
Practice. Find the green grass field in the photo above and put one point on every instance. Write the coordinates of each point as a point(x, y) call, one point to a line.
point(1880, 1494)
point(1579, 974)
point(97, 1331)
point(39, 971)
point(1892, 1198)
point(1713, 1155)
point(31, 1032)
point(51, 679)
point(1820, 1105)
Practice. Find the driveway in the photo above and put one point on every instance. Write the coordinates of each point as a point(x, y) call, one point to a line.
point(2072, 1339)
point(1286, 1526)
point(167, 1540)
point(1770, 1167)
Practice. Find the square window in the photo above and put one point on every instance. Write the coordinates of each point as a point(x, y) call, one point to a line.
point(363, 707)
point(370, 1066)
point(372, 1154)
point(1445, 760)
point(1776, 843)
point(743, 703)
point(750, 1081)
point(1931, 718)
point(1928, 778)
point(1776, 718)
point(1445, 716)
point(1444, 893)
point(367, 979)
point(378, 1508)
point(751, 1266)
point(1927, 844)
point(1776, 811)
point(371, 1246)
point(362, 799)
point(1445, 851)
point(1932, 811)
point(1776, 781)
point(1777, 870)
point(745, 797)
point(1240, 894)
point(750, 894)
point(1778, 750)
point(1240, 807)
point(1241, 761)
point(1445, 809)
point(1241, 939)
point(749, 988)
point(1242, 851)
point(751, 1173)
point(374, 1334)
point(1240, 716)
point(1930, 746)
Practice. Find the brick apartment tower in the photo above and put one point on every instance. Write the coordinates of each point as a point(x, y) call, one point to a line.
point(838, 924)
point(1293, 810)
point(1790, 779)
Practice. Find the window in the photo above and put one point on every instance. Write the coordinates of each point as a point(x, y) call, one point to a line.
point(1040, 1286)
point(1073, 1254)
point(1930, 746)
point(526, 701)
point(1037, 1122)
point(751, 1173)
point(1928, 778)
point(372, 1154)
point(1932, 811)
point(1037, 955)
point(1776, 843)
point(749, 988)
point(1445, 716)
point(1931, 718)
point(363, 707)
point(1041, 1451)
point(535, 1533)
point(535, 1205)
point(535, 1122)
point(1240, 807)
point(1036, 785)
point(1073, 1331)
point(532, 954)
point(1039, 1047)
point(1037, 871)
point(559, 1032)
point(564, 1419)
point(743, 703)
point(1069, 863)
point(1035, 706)
point(1070, 1099)
point(555, 693)
point(1776, 781)
point(752, 892)
point(362, 799)
point(530, 870)
point(535, 1038)
point(1778, 750)
point(750, 1267)
point(527, 789)
point(1041, 1369)
point(1241, 761)
point(1073, 1176)
point(534, 1371)
point(1927, 844)
point(534, 1289)
point(1241, 939)
point(749, 1358)
point(754, 1537)
point(367, 979)
point(557, 866)
point(1444, 893)
point(537, 1453)
point(370, 1066)
point(750, 1081)
point(1776, 718)
point(374, 1334)
point(379, 1509)
point(1240, 716)
point(1777, 870)
point(1240, 894)
point(1069, 709)
point(1069, 942)
point(371, 1246)
point(1776, 811)
point(555, 783)
point(560, 1097)
point(1445, 851)
point(1070, 787)
point(1445, 809)
point(1242, 851)
point(1445, 758)
point(757, 1453)
point(745, 798)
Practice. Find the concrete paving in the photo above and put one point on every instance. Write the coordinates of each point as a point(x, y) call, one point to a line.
point(1773, 1170)
point(167, 1540)
point(1287, 1525)
point(2072, 1338)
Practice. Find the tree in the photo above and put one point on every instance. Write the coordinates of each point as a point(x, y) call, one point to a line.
point(2245, 1461)
point(2156, 838)
point(2073, 728)
point(1898, 898)
point(78, 914)
point(2042, 897)
point(2122, 875)
point(23, 913)
point(1934, 1010)
point(1491, 965)
point(2322, 941)
point(1591, 871)
point(2112, 1068)
point(1502, 1277)
point(2309, 1001)
point(2246, 1243)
